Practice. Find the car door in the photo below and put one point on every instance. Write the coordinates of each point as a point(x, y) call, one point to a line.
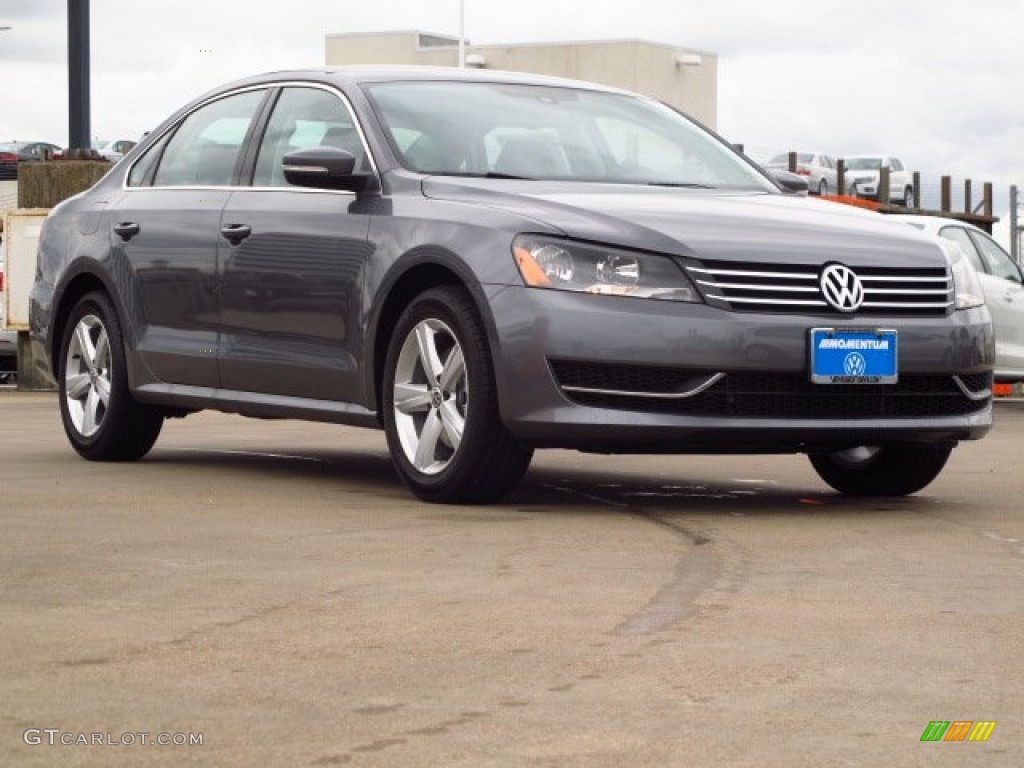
point(1004, 295)
point(291, 276)
point(165, 229)
point(831, 178)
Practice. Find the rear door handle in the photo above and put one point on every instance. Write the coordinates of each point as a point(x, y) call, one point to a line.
point(236, 233)
point(127, 230)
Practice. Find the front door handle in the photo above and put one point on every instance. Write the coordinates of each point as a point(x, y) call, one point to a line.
point(236, 233)
point(127, 230)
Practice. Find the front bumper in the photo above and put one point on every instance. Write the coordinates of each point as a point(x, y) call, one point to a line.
point(761, 402)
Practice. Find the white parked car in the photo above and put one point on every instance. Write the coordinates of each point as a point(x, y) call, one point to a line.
point(1002, 281)
point(819, 170)
point(863, 171)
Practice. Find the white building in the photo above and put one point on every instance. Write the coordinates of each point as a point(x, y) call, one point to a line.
point(683, 78)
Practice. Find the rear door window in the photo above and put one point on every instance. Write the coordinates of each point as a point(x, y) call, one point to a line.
point(205, 148)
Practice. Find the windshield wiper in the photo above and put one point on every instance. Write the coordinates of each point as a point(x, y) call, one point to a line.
point(681, 184)
point(488, 175)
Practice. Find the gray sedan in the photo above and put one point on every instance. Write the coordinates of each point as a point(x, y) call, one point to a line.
point(483, 264)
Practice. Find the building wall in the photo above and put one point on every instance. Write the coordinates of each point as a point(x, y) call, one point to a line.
point(648, 68)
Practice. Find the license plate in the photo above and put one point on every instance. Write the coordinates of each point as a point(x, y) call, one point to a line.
point(853, 357)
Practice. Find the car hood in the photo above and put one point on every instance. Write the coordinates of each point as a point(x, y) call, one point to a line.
point(704, 224)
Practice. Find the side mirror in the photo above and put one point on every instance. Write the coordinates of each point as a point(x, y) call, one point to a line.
point(790, 183)
point(324, 168)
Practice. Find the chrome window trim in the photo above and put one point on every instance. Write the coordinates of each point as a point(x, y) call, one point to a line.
point(232, 187)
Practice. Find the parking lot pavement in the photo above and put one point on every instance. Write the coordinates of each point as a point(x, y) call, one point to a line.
point(8, 194)
point(271, 588)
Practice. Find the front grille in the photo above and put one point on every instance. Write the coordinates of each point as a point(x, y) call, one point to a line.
point(772, 395)
point(779, 288)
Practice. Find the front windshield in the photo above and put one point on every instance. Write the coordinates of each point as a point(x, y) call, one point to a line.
point(864, 163)
point(542, 132)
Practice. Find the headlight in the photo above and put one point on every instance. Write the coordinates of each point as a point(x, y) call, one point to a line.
point(572, 266)
point(967, 288)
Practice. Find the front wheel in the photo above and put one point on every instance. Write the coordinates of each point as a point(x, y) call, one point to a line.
point(822, 188)
point(102, 420)
point(440, 405)
point(908, 197)
point(889, 470)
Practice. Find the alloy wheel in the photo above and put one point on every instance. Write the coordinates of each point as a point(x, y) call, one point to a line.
point(87, 381)
point(430, 396)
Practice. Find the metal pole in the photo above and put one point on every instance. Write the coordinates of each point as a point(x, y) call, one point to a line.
point(79, 129)
point(1014, 225)
point(462, 34)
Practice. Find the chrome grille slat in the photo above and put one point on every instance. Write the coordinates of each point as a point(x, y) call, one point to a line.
point(794, 302)
point(748, 287)
point(790, 287)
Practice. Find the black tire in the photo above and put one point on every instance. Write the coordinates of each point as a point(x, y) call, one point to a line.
point(458, 406)
point(908, 197)
point(890, 470)
point(120, 429)
point(822, 188)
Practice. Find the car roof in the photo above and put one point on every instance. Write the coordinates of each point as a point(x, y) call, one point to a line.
point(354, 74)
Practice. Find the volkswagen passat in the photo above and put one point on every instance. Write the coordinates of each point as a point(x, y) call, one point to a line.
point(486, 263)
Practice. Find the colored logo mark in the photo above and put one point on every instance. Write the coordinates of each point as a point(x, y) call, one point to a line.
point(958, 730)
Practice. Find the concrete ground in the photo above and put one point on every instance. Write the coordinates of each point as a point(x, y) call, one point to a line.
point(8, 194)
point(271, 588)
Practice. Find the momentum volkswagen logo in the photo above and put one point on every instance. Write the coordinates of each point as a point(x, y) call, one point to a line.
point(958, 730)
point(842, 288)
point(854, 364)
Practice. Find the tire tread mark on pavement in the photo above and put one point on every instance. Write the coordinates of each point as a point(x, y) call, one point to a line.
point(697, 569)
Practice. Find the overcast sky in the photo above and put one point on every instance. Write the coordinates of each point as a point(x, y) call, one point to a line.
point(938, 82)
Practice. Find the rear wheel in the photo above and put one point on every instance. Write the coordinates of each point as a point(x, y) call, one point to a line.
point(822, 188)
point(440, 405)
point(101, 418)
point(889, 470)
point(908, 197)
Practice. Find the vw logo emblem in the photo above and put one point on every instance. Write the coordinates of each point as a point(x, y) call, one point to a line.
point(854, 364)
point(842, 288)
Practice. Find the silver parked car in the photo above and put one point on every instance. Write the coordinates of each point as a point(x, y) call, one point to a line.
point(483, 264)
point(818, 168)
point(1002, 281)
point(113, 149)
point(864, 171)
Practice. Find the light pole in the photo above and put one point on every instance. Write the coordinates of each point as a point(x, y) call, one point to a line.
point(78, 76)
point(462, 34)
point(1015, 227)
